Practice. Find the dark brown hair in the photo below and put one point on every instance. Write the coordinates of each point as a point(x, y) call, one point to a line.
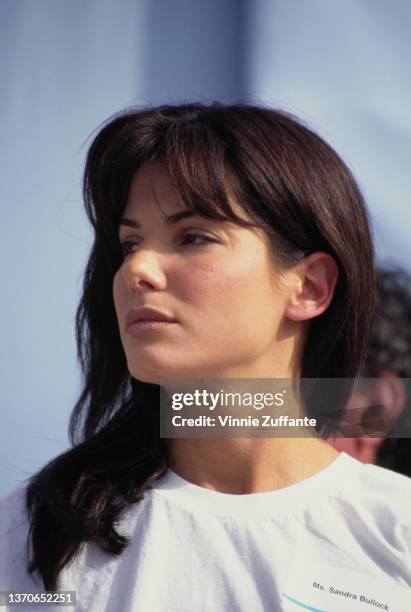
point(293, 185)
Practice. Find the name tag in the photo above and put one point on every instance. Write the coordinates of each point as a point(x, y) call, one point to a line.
point(324, 588)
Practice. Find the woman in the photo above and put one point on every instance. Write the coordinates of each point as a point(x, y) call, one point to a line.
point(237, 242)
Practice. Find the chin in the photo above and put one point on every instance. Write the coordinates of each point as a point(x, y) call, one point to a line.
point(153, 373)
point(145, 376)
point(152, 365)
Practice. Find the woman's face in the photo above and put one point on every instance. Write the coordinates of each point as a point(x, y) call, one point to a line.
point(216, 280)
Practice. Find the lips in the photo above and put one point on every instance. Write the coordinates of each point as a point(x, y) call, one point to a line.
point(140, 315)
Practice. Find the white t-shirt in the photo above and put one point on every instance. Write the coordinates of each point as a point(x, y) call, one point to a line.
point(339, 540)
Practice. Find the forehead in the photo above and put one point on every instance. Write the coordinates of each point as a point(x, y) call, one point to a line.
point(151, 186)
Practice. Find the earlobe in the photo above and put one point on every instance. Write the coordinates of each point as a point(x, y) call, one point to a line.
point(318, 275)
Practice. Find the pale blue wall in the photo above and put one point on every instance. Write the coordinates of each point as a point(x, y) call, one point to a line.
point(344, 66)
point(66, 66)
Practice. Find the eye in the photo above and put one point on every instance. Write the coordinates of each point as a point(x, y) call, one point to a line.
point(126, 246)
point(189, 239)
point(196, 239)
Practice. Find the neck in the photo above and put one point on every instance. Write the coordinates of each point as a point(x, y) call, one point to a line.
point(248, 465)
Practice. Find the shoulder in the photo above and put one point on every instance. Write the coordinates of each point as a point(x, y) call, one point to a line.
point(388, 491)
point(374, 485)
point(376, 505)
point(390, 486)
point(14, 542)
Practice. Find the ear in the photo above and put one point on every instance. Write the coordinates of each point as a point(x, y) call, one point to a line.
point(375, 409)
point(316, 279)
point(391, 393)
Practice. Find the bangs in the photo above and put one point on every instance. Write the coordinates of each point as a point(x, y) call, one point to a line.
point(196, 159)
point(194, 155)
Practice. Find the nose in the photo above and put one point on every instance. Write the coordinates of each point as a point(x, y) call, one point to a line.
point(144, 270)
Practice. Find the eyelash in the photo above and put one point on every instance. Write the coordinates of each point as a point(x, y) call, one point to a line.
point(204, 237)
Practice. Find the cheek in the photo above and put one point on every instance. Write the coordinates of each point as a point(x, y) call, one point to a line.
point(206, 285)
point(229, 288)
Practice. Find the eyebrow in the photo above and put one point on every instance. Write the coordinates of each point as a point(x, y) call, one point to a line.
point(175, 218)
